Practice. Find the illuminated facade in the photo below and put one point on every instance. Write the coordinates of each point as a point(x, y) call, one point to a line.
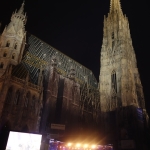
point(120, 83)
point(118, 72)
point(17, 92)
point(121, 93)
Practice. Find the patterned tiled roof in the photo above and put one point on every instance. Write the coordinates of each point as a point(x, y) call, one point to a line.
point(39, 54)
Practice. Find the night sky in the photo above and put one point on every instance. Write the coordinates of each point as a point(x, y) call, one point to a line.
point(76, 29)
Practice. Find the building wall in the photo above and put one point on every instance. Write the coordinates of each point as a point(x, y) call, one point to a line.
point(17, 108)
point(63, 105)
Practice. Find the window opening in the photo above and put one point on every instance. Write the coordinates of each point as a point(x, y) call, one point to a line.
point(27, 99)
point(17, 97)
point(114, 81)
point(5, 54)
point(13, 56)
point(33, 102)
point(15, 47)
point(1, 65)
point(7, 44)
point(9, 95)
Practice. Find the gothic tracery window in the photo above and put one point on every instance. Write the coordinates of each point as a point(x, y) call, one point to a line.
point(9, 95)
point(27, 99)
point(112, 35)
point(17, 97)
point(33, 102)
point(114, 81)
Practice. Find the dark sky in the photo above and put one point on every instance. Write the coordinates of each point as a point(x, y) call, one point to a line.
point(76, 29)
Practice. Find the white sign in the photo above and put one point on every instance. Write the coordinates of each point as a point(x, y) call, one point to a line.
point(23, 141)
point(58, 126)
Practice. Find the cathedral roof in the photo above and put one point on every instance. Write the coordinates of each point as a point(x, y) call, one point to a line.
point(19, 71)
point(39, 54)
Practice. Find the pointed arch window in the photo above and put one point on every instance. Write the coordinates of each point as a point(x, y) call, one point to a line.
point(113, 36)
point(8, 44)
point(15, 47)
point(13, 56)
point(5, 54)
point(1, 65)
point(17, 97)
point(33, 102)
point(27, 99)
point(9, 95)
point(114, 81)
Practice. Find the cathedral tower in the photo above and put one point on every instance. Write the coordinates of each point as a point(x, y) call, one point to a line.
point(120, 84)
point(12, 40)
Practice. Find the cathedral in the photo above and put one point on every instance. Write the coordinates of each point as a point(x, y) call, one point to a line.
point(41, 87)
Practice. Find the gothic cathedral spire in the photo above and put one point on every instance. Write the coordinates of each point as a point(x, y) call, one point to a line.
point(120, 83)
point(115, 6)
point(21, 10)
point(12, 40)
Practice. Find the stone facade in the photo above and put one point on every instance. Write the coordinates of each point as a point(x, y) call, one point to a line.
point(120, 83)
point(20, 103)
point(20, 99)
point(123, 110)
point(12, 40)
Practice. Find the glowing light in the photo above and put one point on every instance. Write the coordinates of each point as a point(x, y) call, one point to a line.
point(85, 146)
point(93, 146)
point(69, 144)
point(78, 145)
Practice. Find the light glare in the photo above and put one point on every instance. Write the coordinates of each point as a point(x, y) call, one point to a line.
point(69, 144)
point(93, 146)
point(85, 145)
point(78, 145)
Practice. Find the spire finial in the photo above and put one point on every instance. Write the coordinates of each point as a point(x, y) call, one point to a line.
point(20, 11)
point(115, 6)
